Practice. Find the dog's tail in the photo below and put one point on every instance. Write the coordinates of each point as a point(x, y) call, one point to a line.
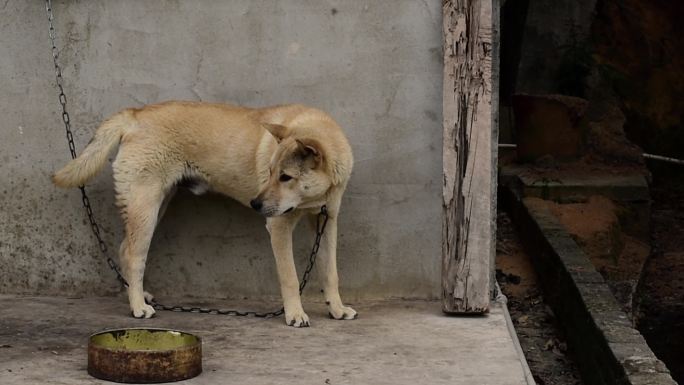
point(80, 170)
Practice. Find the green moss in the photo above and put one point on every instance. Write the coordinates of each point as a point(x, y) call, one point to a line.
point(143, 339)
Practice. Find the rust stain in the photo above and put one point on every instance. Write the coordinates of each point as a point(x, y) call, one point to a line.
point(140, 366)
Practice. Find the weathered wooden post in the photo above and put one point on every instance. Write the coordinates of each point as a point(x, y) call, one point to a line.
point(470, 111)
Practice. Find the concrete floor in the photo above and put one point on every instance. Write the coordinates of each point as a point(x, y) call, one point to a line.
point(43, 341)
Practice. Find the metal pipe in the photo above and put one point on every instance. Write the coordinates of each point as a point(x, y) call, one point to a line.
point(664, 158)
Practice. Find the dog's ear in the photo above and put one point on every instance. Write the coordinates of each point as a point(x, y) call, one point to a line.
point(311, 147)
point(338, 171)
point(278, 131)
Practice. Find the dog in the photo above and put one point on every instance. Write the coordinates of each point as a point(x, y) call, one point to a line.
point(284, 161)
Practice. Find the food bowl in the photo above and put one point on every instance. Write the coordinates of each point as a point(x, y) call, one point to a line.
point(144, 355)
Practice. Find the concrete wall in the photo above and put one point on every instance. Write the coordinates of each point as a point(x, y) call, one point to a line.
point(374, 65)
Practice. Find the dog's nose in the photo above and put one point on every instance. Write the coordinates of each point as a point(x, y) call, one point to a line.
point(256, 204)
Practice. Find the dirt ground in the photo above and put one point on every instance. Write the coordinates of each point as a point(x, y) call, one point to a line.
point(660, 316)
point(620, 258)
point(540, 337)
point(645, 275)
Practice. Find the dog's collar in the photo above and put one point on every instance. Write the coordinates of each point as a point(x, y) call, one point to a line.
point(313, 205)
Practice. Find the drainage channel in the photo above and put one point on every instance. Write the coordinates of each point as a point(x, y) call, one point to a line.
point(541, 338)
point(660, 309)
point(600, 335)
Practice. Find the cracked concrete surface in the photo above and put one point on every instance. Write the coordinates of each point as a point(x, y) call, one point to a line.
point(43, 341)
point(375, 66)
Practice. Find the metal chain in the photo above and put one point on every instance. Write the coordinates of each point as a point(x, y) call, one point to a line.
point(321, 220)
point(94, 227)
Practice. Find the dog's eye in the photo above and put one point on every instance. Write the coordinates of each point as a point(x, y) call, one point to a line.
point(284, 177)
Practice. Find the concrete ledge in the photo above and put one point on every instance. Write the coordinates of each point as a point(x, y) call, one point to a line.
point(624, 188)
point(607, 348)
point(628, 191)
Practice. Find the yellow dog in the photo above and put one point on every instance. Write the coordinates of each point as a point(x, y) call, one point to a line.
point(284, 161)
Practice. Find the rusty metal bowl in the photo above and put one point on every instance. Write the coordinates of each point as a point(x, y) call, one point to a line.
point(144, 355)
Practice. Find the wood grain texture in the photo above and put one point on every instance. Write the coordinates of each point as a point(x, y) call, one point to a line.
point(469, 156)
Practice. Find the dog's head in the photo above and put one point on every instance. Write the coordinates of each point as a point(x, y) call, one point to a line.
point(299, 174)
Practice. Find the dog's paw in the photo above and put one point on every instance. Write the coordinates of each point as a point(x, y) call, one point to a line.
point(144, 311)
point(342, 312)
point(298, 319)
point(148, 297)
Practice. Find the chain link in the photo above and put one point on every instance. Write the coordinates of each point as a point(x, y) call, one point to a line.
point(321, 220)
point(94, 227)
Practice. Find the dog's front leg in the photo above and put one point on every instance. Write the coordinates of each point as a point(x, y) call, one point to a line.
point(281, 240)
point(327, 268)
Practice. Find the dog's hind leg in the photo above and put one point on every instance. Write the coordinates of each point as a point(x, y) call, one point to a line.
point(140, 212)
point(165, 204)
point(149, 297)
